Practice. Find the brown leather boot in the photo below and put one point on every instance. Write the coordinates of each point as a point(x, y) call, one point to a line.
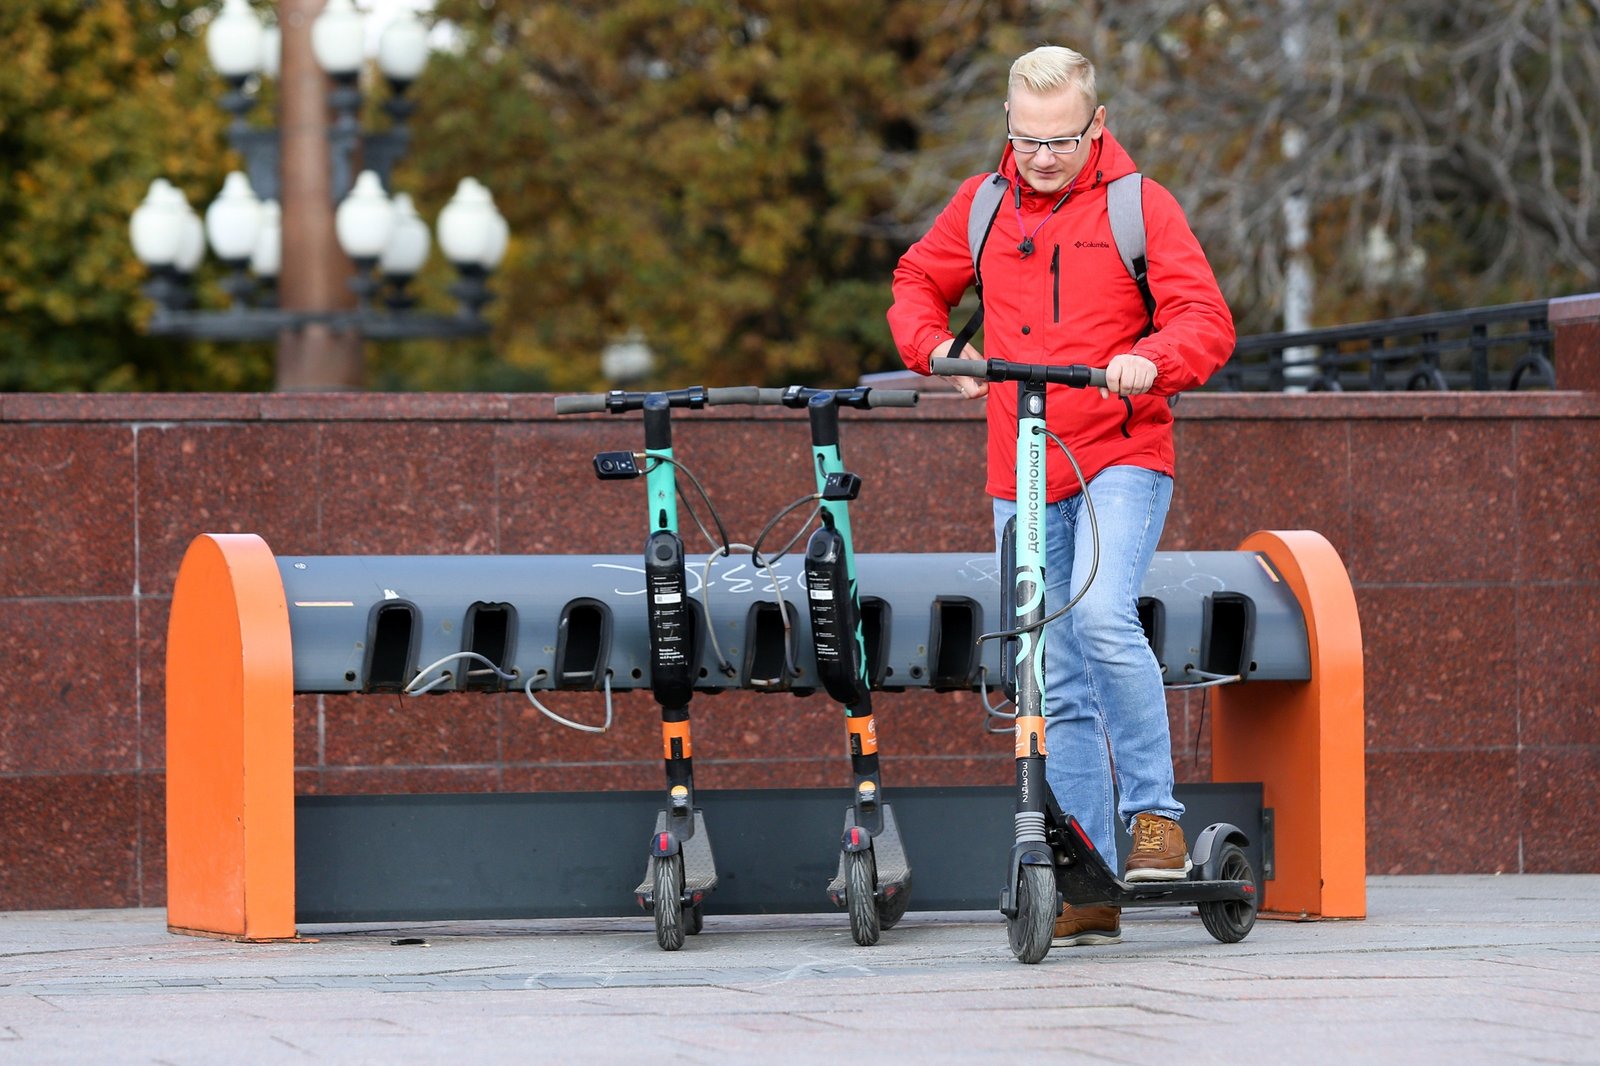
point(1077, 926)
point(1158, 852)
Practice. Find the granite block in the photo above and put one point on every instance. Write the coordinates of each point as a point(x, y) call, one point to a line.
point(357, 406)
point(309, 721)
point(529, 736)
point(407, 488)
point(384, 781)
point(1441, 667)
point(404, 731)
point(1560, 788)
point(1454, 479)
point(626, 776)
point(550, 502)
point(231, 478)
point(72, 694)
point(154, 613)
point(1558, 628)
point(71, 841)
point(152, 840)
point(1442, 812)
point(1189, 715)
point(1558, 497)
point(66, 510)
point(1223, 491)
point(949, 771)
point(775, 773)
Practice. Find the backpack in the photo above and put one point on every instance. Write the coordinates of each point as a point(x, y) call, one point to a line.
point(1124, 204)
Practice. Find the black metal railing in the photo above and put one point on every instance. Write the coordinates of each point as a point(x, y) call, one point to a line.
point(1483, 349)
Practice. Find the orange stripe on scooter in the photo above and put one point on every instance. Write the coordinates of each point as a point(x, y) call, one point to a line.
point(1030, 735)
point(863, 735)
point(678, 731)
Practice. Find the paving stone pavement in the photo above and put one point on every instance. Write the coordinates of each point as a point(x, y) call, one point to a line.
point(1466, 970)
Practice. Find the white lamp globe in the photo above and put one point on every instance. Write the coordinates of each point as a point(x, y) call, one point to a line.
point(156, 227)
point(466, 223)
point(192, 243)
point(233, 220)
point(233, 40)
point(494, 247)
point(271, 50)
point(266, 259)
point(408, 245)
point(403, 48)
point(365, 218)
point(337, 38)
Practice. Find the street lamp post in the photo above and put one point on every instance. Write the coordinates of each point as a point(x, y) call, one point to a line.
point(383, 240)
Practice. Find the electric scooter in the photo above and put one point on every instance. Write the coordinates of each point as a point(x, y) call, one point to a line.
point(1052, 857)
point(873, 882)
point(681, 869)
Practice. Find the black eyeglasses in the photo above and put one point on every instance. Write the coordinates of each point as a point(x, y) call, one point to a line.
point(1057, 145)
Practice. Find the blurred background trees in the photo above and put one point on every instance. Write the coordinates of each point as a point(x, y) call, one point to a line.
point(733, 182)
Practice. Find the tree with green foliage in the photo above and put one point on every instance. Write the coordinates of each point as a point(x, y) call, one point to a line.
point(723, 178)
point(97, 99)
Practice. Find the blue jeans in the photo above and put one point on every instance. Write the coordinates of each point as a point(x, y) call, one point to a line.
point(1102, 681)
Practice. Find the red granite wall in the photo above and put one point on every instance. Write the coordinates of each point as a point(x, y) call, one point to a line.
point(1466, 522)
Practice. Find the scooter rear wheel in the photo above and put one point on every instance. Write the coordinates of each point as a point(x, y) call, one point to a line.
point(1030, 931)
point(697, 919)
point(669, 902)
point(861, 897)
point(1230, 921)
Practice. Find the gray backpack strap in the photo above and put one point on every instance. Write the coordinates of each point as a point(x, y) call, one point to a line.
point(980, 219)
point(1125, 205)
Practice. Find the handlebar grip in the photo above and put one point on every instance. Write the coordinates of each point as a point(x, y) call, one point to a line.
point(961, 368)
point(577, 405)
point(738, 394)
point(1097, 378)
point(895, 397)
point(771, 396)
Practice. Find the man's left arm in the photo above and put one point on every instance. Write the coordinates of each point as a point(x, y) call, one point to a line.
point(1194, 332)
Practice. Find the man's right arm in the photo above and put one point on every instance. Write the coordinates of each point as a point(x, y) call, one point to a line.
point(931, 278)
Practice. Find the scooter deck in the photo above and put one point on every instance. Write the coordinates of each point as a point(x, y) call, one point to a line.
point(888, 854)
point(1084, 878)
point(699, 865)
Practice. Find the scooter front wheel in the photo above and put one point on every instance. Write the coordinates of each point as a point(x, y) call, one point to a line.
point(861, 897)
point(1230, 921)
point(669, 902)
point(1030, 931)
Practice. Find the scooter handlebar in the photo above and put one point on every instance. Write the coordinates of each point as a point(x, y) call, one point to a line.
point(959, 368)
point(894, 397)
point(739, 394)
point(1076, 376)
point(579, 405)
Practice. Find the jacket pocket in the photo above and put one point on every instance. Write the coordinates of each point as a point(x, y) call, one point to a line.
point(1055, 284)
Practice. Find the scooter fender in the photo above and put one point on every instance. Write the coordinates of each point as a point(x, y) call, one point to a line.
point(663, 845)
point(1025, 853)
point(1209, 842)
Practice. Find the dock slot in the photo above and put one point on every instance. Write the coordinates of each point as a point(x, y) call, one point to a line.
point(393, 634)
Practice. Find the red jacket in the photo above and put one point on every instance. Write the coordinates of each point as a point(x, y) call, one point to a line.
point(1071, 301)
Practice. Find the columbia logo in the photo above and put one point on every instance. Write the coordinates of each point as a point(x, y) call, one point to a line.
point(1092, 244)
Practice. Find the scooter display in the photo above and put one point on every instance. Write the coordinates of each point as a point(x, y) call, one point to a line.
point(1052, 857)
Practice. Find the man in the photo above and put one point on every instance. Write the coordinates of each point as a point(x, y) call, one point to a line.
point(1055, 290)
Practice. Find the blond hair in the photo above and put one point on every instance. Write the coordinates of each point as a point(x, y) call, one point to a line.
point(1051, 67)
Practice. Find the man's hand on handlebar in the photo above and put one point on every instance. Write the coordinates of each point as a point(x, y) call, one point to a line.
point(969, 388)
point(1128, 375)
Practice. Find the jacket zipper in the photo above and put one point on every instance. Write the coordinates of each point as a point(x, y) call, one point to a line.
point(1055, 283)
